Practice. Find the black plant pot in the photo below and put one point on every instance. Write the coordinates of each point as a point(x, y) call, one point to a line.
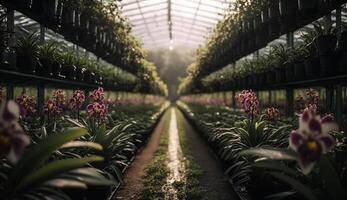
point(274, 30)
point(26, 64)
point(326, 65)
point(274, 11)
point(270, 78)
point(36, 7)
point(326, 44)
point(49, 10)
point(69, 71)
point(343, 62)
point(47, 67)
point(299, 71)
point(288, 8)
point(56, 69)
point(68, 19)
point(312, 67)
point(280, 75)
point(22, 4)
point(80, 73)
point(289, 72)
point(307, 7)
point(343, 41)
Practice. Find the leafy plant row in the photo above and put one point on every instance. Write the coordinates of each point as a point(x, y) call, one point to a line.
point(251, 24)
point(67, 152)
point(95, 25)
point(320, 52)
point(270, 157)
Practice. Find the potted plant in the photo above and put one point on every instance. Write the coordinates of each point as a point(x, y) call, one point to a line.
point(312, 66)
point(49, 10)
point(68, 17)
point(68, 65)
point(296, 57)
point(326, 42)
point(307, 7)
point(46, 55)
point(27, 53)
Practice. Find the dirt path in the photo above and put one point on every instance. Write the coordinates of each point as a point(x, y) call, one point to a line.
point(133, 182)
point(213, 179)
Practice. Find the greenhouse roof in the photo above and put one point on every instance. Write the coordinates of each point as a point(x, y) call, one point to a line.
point(169, 23)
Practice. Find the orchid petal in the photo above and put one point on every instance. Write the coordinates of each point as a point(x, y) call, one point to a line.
point(296, 139)
point(327, 142)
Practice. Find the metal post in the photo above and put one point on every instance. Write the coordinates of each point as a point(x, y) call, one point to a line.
point(339, 104)
point(40, 96)
point(270, 97)
point(290, 102)
point(9, 91)
point(233, 103)
point(329, 95)
point(290, 39)
point(11, 39)
point(338, 20)
point(42, 33)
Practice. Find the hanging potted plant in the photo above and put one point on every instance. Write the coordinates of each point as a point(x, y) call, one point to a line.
point(49, 11)
point(296, 57)
point(326, 42)
point(27, 52)
point(68, 17)
point(307, 8)
point(342, 49)
point(288, 11)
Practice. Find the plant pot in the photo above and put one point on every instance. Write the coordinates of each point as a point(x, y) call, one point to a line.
point(343, 62)
point(312, 67)
point(80, 73)
point(270, 78)
point(307, 7)
point(289, 72)
point(69, 71)
point(273, 10)
point(46, 66)
point(343, 41)
point(280, 75)
point(56, 69)
point(326, 65)
point(36, 6)
point(26, 64)
point(326, 44)
point(288, 8)
point(49, 10)
point(299, 71)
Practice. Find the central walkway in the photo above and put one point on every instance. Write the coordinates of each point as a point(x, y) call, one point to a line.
point(213, 181)
point(175, 164)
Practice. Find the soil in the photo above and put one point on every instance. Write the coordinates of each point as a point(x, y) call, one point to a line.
point(213, 179)
point(133, 179)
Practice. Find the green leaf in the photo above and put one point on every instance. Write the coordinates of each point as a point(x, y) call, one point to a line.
point(53, 169)
point(76, 144)
point(274, 154)
point(298, 186)
point(276, 166)
point(332, 178)
point(40, 152)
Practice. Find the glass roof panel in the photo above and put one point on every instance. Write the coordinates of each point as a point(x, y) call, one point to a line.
point(191, 20)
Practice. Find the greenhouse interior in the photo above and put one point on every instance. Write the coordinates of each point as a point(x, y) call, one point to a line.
point(173, 99)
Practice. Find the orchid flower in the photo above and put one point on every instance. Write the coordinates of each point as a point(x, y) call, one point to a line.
point(77, 100)
point(13, 140)
point(249, 102)
point(97, 111)
point(27, 104)
point(98, 95)
point(272, 113)
point(312, 139)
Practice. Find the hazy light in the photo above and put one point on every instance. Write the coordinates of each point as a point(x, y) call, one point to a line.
point(171, 48)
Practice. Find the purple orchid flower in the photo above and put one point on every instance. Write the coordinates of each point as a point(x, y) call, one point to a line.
point(13, 140)
point(312, 139)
